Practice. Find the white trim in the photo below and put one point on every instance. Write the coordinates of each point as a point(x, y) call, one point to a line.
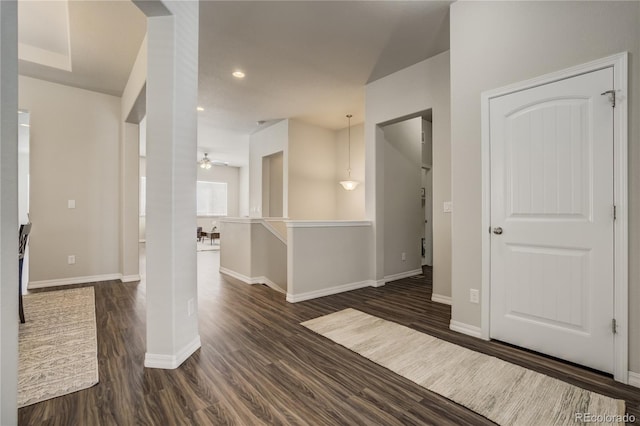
point(171, 362)
point(438, 298)
point(273, 230)
point(82, 280)
point(266, 281)
point(378, 283)
point(401, 275)
point(621, 224)
point(326, 224)
point(130, 278)
point(240, 220)
point(73, 280)
point(252, 280)
point(621, 177)
point(634, 379)
point(469, 330)
point(293, 298)
point(245, 279)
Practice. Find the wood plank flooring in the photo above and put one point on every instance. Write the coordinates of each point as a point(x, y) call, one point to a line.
point(257, 365)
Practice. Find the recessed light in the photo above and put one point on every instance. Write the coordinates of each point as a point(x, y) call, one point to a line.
point(200, 109)
point(238, 74)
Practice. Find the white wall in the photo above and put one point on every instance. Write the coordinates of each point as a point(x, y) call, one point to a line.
point(273, 185)
point(227, 174)
point(233, 148)
point(312, 172)
point(243, 191)
point(417, 88)
point(404, 217)
point(74, 156)
point(350, 204)
point(498, 43)
point(230, 176)
point(8, 213)
point(327, 258)
point(23, 186)
point(253, 254)
point(273, 139)
point(132, 137)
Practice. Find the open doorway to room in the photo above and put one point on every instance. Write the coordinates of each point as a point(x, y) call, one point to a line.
point(408, 196)
point(24, 118)
point(427, 189)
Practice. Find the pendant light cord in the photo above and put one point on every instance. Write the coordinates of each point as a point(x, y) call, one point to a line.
point(349, 154)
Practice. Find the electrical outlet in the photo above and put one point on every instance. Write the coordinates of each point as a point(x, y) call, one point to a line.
point(191, 307)
point(474, 295)
point(404, 257)
point(71, 259)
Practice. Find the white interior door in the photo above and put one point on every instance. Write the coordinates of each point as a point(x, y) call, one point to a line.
point(552, 267)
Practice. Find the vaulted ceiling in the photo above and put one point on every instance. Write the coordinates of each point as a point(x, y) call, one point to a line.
point(90, 44)
point(308, 60)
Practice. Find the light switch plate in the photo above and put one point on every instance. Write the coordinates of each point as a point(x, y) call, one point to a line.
point(446, 206)
point(71, 204)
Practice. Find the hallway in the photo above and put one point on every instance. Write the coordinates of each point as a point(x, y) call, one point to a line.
point(257, 365)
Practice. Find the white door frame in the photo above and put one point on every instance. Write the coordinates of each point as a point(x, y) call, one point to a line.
point(620, 297)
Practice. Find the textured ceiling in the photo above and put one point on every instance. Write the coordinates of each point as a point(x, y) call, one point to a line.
point(104, 40)
point(308, 60)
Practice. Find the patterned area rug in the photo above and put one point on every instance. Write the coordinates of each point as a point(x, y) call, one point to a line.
point(58, 351)
point(502, 392)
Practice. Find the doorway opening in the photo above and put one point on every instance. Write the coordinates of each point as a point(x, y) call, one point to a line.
point(24, 125)
point(408, 189)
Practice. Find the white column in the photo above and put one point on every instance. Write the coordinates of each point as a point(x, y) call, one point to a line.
point(172, 93)
point(8, 212)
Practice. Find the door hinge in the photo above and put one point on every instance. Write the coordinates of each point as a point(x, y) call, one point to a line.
point(423, 137)
point(615, 212)
point(614, 326)
point(612, 97)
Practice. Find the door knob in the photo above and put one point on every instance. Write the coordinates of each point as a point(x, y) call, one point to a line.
point(497, 230)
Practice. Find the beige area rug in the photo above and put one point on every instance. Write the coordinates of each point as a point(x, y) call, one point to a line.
point(503, 392)
point(58, 351)
point(207, 246)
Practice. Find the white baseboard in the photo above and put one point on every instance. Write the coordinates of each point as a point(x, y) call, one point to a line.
point(469, 330)
point(634, 379)
point(236, 275)
point(82, 280)
point(170, 362)
point(293, 298)
point(401, 275)
point(266, 281)
point(438, 298)
point(252, 280)
point(73, 280)
point(130, 278)
point(378, 283)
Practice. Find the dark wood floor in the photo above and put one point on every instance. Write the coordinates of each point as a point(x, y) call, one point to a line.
point(257, 365)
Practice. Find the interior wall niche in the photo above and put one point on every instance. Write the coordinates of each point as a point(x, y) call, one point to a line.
point(273, 185)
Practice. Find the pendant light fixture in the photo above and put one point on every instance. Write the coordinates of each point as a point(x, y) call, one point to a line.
point(349, 184)
point(205, 163)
